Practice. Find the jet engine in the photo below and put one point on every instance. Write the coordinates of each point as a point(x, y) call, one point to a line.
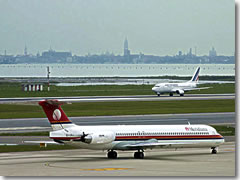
point(180, 91)
point(98, 138)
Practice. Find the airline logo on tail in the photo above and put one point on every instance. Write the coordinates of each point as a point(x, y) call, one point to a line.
point(57, 114)
point(196, 74)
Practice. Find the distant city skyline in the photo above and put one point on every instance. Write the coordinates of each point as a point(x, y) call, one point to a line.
point(126, 52)
point(154, 27)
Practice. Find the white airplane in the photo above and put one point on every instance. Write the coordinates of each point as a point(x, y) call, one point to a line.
point(127, 137)
point(178, 88)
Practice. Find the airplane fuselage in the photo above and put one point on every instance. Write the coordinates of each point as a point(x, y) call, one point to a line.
point(172, 87)
point(122, 136)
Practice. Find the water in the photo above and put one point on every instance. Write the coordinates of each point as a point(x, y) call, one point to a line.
point(113, 70)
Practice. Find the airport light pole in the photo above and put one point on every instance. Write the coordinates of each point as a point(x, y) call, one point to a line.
point(48, 73)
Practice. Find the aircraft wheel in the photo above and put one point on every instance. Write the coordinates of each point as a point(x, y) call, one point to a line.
point(171, 94)
point(158, 94)
point(214, 151)
point(138, 155)
point(112, 155)
point(181, 94)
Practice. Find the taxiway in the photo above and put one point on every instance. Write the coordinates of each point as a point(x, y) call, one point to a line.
point(123, 98)
point(161, 162)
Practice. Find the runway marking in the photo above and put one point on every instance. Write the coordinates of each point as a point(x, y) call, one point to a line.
point(8, 144)
point(106, 169)
point(94, 169)
point(228, 150)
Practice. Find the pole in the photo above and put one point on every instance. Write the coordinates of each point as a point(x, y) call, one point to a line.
point(48, 73)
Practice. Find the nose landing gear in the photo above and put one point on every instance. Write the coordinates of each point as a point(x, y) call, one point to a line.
point(214, 150)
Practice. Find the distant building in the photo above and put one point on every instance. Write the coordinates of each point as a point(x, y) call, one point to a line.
point(56, 55)
point(25, 51)
point(180, 53)
point(126, 51)
point(213, 52)
point(190, 52)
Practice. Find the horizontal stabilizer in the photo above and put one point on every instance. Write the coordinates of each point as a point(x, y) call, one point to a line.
point(40, 142)
point(55, 102)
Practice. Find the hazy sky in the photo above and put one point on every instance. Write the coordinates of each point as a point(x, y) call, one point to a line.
point(158, 27)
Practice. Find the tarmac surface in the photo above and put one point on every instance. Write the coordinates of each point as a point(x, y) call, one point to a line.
point(157, 162)
point(42, 124)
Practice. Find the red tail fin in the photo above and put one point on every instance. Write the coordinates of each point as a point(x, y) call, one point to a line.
point(55, 114)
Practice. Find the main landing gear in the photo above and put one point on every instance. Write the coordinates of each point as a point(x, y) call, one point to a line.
point(112, 154)
point(214, 150)
point(139, 154)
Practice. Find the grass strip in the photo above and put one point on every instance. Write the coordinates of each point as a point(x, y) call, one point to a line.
point(224, 130)
point(14, 90)
point(8, 111)
point(43, 133)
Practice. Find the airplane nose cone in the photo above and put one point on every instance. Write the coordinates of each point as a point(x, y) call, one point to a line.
point(154, 89)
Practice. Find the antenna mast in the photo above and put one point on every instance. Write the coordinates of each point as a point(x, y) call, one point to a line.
point(48, 73)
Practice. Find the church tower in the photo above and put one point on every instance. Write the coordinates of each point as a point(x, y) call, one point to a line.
point(25, 51)
point(126, 52)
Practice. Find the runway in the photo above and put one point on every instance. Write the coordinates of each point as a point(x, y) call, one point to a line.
point(124, 98)
point(161, 162)
point(42, 124)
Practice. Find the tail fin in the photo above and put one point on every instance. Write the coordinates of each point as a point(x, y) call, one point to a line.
point(195, 76)
point(55, 114)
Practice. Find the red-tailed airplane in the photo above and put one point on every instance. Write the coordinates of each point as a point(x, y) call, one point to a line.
point(127, 137)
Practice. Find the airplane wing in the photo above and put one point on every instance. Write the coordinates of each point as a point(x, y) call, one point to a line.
point(40, 142)
point(154, 144)
point(188, 89)
point(191, 89)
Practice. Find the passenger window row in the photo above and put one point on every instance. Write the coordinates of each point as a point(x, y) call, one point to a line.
point(162, 133)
